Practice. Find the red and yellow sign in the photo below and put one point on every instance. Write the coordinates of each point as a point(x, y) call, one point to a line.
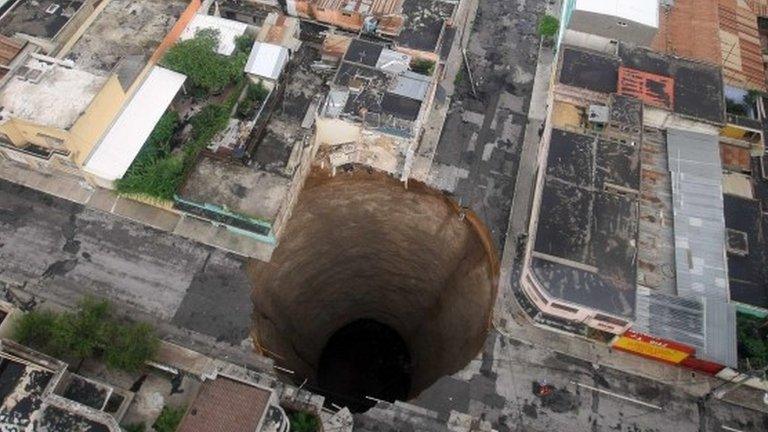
point(653, 347)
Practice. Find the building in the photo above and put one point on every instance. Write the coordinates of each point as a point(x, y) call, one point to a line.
point(627, 235)
point(599, 24)
point(225, 404)
point(375, 111)
point(725, 33)
point(61, 114)
point(38, 394)
point(47, 24)
point(418, 27)
point(248, 180)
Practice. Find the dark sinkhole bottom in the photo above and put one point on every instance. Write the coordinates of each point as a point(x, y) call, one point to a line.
point(364, 358)
point(374, 290)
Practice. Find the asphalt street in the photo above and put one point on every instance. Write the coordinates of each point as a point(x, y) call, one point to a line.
point(59, 251)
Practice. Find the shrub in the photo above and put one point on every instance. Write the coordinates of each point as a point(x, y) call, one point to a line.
point(424, 67)
point(169, 419)
point(548, 26)
point(158, 177)
point(303, 422)
point(254, 97)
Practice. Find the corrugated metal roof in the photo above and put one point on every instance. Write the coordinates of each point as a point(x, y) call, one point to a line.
point(266, 60)
point(411, 85)
point(699, 221)
point(706, 324)
point(393, 61)
point(120, 145)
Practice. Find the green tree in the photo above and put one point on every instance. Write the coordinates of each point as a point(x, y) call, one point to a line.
point(36, 329)
point(548, 26)
point(169, 419)
point(90, 331)
point(130, 346)
point(198, 60)
point(83, 333)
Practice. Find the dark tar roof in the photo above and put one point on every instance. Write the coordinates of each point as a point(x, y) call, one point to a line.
point(747, 274)
point(30, 17)
point(363, 52)
point(423, 27)
point(698, 87)
point(370, 89)
point(583, 219)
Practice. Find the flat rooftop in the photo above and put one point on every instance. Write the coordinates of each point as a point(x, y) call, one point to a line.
point(696, 88)
point(39, 18)
point(376, 93)
point(283, 130)
point(126, 32)
point(48, 94)
point(585, 249)
point(244, 190)
point(423, 24)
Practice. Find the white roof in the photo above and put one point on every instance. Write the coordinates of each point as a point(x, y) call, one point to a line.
point(645, 12)
point(267, 60)
point(228, 31)
point(120, 145)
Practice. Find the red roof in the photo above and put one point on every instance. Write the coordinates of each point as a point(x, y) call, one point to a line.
point(226, 405)
point(654, 90)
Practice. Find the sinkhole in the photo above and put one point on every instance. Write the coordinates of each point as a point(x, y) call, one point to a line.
point(375, 289)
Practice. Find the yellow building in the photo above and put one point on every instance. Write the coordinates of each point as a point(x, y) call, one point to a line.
point(55, 110)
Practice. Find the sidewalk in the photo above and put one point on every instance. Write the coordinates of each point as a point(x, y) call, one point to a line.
point(78, 190)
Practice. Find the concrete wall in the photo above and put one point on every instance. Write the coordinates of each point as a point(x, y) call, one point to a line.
point(611, 27)
point(590, 41)
point(80, 139)
point(89, 128)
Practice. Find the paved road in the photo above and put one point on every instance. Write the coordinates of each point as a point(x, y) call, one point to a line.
point(60, 251)
point(498, 386)
point(482, 135)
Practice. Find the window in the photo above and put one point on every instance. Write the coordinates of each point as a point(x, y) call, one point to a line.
point(738, 242)
point(622, 23)
point(564, 308)
point(611, 320)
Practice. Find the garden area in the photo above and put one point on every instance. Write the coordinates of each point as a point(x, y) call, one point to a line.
point(215, 84)
point(90, 332)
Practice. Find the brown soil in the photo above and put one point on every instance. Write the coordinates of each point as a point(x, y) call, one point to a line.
point(361, 246)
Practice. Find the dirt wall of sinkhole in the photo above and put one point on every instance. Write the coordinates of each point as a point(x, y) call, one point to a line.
point(360, 245)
